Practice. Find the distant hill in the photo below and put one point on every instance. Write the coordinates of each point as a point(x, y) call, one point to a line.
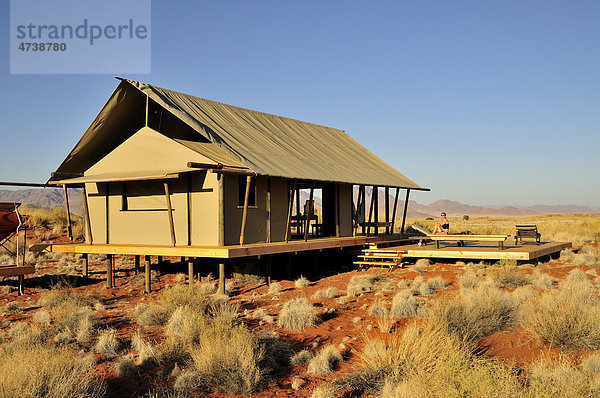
point(53, 197)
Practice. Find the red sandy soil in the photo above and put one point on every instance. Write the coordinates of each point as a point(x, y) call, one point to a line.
point(513, 345)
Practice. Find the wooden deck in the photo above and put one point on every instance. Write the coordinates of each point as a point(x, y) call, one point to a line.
point(16, 270)
point(482, 251)
point(234, 251)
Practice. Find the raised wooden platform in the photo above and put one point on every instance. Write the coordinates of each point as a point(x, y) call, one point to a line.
point(13, 270)
point(483, 251)
point(234, 251)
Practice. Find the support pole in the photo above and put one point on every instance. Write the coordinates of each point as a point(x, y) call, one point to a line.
point(245, 212)
point(289, 215)
point(309, 211)
point(191, 273)
point(136, 267)
point(371, 212)
point(147, 106)
point(147, 274)
point(222, 278)
point(376, 209)
point(268, 261)
point(221, 194)
point(404, 212)
point(363, 205)
point(86, 265)
point(387, 210)
point(86, 215)
point(268, 205)
point(170, 212)
point(394, 211)
point(109, 271)
point(69, 227)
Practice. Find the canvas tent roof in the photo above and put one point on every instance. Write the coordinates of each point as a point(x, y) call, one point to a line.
point(264, 143)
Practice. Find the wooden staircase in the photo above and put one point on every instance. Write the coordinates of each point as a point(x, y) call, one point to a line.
point(380, 257)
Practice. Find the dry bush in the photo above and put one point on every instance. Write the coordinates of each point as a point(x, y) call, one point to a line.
point(405, 305)
point(301, 282)
point(420, 265)
point(361, 284)
point(148, 355)
point(63, 293)
point(542, 281)
point(576, 275)
point(126, 366)
point(509, 276)
point(477, 313)
point(560, 378)
point(421, 287)
point(468, 280)
point(107, 343)
point(42, 317)
point(378, 308)
point(297, 314)
point(300, 358)
point(568, 316)
point(328, 292)
point(324, 391)
point(46, 371)
point(69, 317)
point(591, 364)
point(385, 323)
point(324, 361)
point(275, 288)
point(248, 279)
point(521, 294)
point(262, 315)
point(169, 300)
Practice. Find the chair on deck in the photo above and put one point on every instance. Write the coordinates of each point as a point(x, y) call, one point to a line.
point(529, 231)
point(11, 224)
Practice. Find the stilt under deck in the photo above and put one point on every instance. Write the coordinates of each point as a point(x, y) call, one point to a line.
point(482, 250)
point(235, 251)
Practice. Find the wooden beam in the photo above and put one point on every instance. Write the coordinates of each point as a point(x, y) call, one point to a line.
point(370, 212)
point(191, 273)
point(376, 208)
point(136, 264)
point(387, 209)
point(86, 215)
point(363, 204)
point(188, 198)
point(289, 215)
point(336, 188)
point(245, 211)
point(69, 226)
point(394, 211)
point(106, 207)
point(309, 211)
point(109, 271)
point(268, 205)
point(86, 265)
point(221, 196)
point(221, 278)
point(269, 271)
point(147, 110)
point(147, 279)
point(170, 212)
point(404, 211)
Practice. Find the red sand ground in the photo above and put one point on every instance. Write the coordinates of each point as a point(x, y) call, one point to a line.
point(512, 345)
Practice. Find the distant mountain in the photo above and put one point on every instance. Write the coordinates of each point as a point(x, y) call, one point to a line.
point(53, 197)
point(43, 197)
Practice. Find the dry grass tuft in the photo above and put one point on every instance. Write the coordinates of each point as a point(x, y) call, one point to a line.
point(297, 314)
point(300, 358)
point(262, 315)
point(324, 361)
point(107, 344)
point(148, 355)
point(542, 281)
point(405, 305)
point(378, 308)
point(468, 280)
point(126, 366)
point(361, 284)
point(509, 276)
point(301, 282)
point(420, 265)
point(328, 292)
point(275, 288)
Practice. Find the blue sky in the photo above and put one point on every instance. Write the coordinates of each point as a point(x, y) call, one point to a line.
point(487, 103)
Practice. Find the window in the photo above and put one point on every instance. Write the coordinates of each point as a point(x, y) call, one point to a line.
point(242, 191)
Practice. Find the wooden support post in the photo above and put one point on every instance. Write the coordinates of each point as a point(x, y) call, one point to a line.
point(404, 212)
point(245, 211)
point(289, 266)
point(289, 215)
point(309, 212)
point(387, 210)
point(268, 261)
point(136, 262)
point(363, 204)
point(221, 278)
point(170, 212)
point(147, 110)
point(394, 211)
point(337, 210)
point(376, 209)
point(109, 271)
point(106, 209)
point(191, 273)
point(221, 195)
point(86, 263)
point(69, 226)
point(86, 216)
point(147, 274)
point(268, 205)
point(371, 212)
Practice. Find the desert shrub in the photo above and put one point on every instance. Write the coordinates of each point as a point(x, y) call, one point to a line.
point(301, 282)
point(262, 315)
point(297, 314)
point(378, 308)
point(42, 317)
point(576, 275)
point(46, 371)
point(405, 305)
point(248, 279)
point(420, 265)
point(107, 343)
point(560, 378)
point(148, 355)
point(70, 316)
point(147, 315)
point(126, 366)
point(568, 316)
point(328, 292)
point(275, 288)
point(324, 361)
point(483, 311)
point(591, 364)
point(509, 276)
point(542, 281)
point(385, 323)
point(301, 357)
point(324, 391)
point(421, 287)
point(468, 280)
point(63, 293)
point(361, 284)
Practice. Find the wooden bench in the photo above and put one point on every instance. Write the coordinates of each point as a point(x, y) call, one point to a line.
point(529, 231)
point(380, 257)
point(462, 238)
